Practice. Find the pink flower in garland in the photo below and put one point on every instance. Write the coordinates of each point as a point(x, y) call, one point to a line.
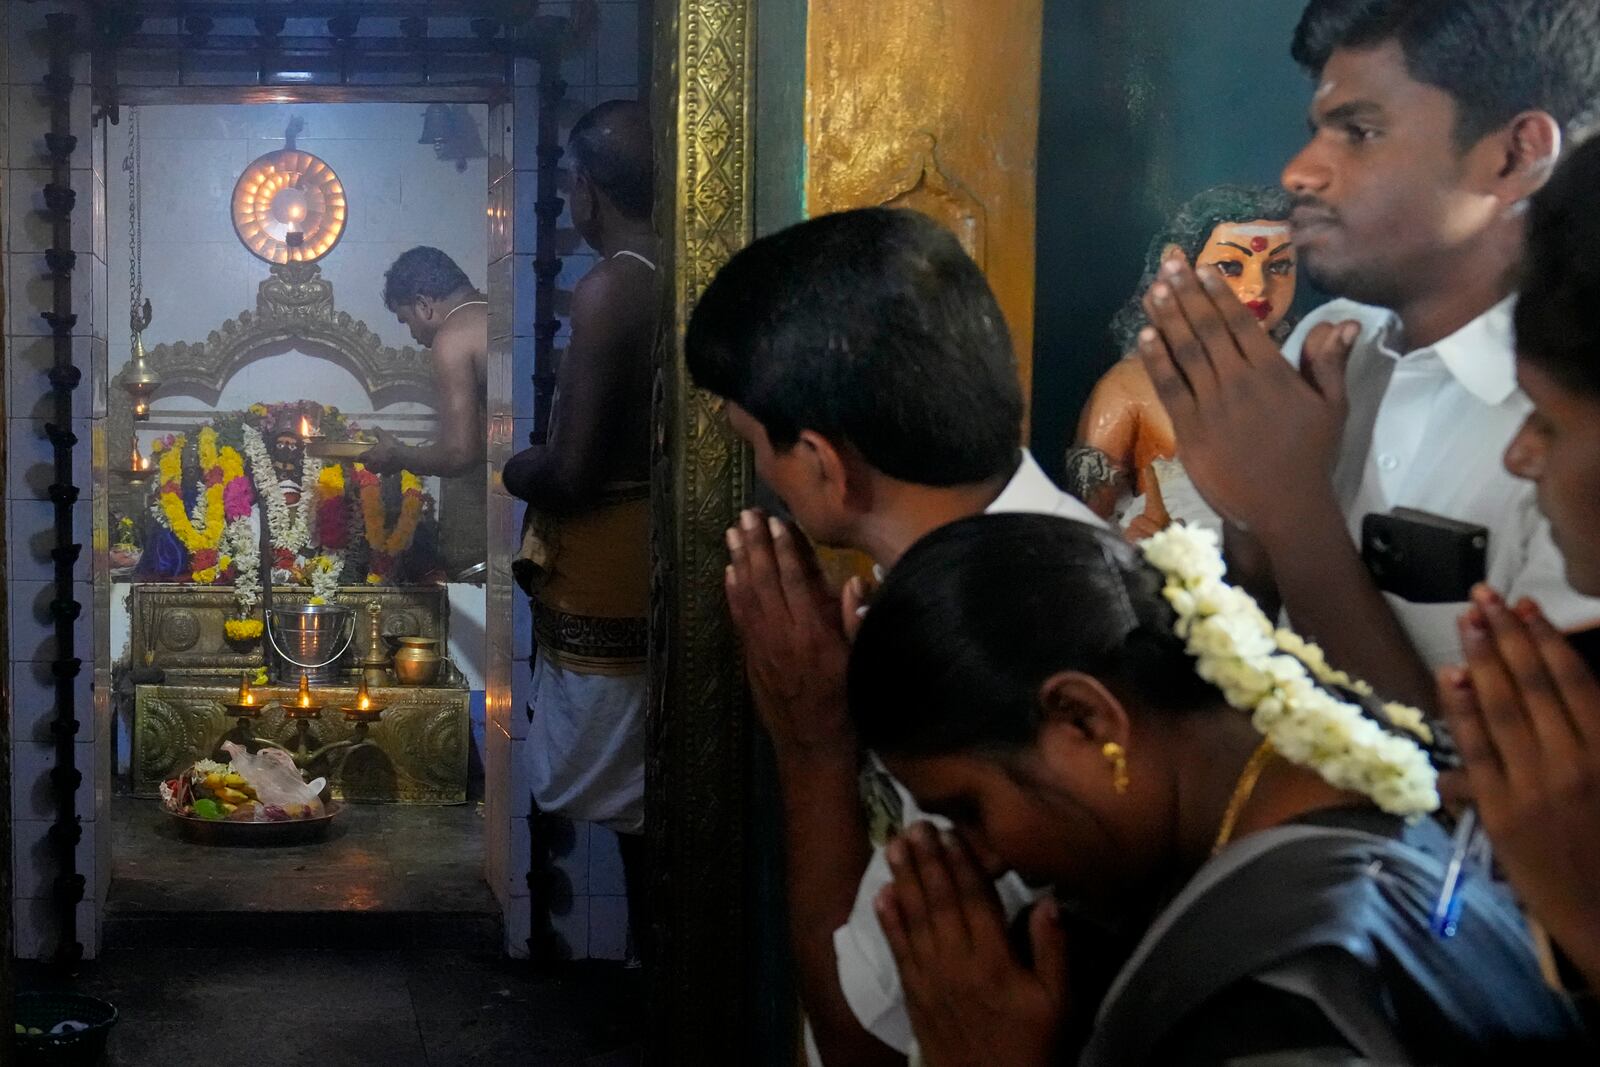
point(333, 531)
point(237, 498)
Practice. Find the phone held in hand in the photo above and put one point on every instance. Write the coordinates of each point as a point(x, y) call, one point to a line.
point(1424, 558)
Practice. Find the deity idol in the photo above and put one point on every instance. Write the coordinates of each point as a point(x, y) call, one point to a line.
point(288, 458)
point(1125, 464)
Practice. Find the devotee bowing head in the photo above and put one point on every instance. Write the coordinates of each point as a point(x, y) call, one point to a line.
point(1023, 676)
point(861, 343)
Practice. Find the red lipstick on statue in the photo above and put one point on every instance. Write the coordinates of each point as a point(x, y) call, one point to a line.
point(1260, 309)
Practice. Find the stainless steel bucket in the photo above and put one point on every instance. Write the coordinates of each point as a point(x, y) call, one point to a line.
point(309, 639)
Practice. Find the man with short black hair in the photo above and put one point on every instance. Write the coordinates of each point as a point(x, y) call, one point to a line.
point(863, 358)
point(585, 557)
point(1433, 122)
point(433, 299)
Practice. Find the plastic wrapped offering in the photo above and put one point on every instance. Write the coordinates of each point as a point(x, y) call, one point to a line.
point(265, 786)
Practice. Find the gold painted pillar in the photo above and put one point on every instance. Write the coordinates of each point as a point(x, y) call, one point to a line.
point(933, 105)
point(697, 789)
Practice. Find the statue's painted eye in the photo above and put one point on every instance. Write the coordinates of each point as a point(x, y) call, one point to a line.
point(1230, 268)
point(1281, 266)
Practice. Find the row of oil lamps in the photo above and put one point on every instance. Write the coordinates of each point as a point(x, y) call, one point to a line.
point(246, 706)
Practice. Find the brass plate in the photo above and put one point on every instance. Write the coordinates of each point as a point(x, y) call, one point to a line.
point(254, 834)
point(324, 449)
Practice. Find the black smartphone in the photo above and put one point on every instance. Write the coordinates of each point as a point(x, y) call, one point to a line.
point(1424, 558)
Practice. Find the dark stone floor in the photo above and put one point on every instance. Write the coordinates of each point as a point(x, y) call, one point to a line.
point(379, 946)
point(387, 1007)
point(376, 858)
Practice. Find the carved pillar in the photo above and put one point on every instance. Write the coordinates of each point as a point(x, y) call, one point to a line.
point(697, 779)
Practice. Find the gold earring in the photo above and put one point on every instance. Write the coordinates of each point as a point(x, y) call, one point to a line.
point(1117, 756)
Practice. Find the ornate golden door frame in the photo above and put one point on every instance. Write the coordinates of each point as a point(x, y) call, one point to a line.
point(698, 776)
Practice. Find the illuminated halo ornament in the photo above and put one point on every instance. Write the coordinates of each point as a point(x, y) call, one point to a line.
point(289, 207)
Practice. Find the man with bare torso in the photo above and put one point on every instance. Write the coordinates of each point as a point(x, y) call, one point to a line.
point(433, 299)
point(585, 550)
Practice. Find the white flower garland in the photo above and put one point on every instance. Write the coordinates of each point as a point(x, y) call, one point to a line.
point(322, 573)
point(245, 547)
point(1274, 675)
point(292, 533)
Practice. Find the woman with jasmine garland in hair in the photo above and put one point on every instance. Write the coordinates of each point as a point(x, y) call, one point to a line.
point(1133, 732)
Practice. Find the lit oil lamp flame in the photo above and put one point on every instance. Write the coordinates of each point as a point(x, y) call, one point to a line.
point(305, 426)
point(246, 696)
point(305, 691)
point(139, 461)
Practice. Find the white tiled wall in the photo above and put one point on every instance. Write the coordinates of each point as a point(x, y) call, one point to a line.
point(24, 119)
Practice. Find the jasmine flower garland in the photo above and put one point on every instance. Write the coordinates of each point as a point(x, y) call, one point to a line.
point(1275, 674)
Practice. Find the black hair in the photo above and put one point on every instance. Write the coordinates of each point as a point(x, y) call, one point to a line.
point(870, 327)
point(422, 272)
point(612, 145)
point(1558, 313)
point(1496, 58)
point(979, 614)
point(1190, 228)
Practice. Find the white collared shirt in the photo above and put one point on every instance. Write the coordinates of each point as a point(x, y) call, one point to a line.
point(867, 972)
point(1427, 430)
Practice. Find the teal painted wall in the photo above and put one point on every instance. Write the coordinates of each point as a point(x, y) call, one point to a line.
point(1144, 103)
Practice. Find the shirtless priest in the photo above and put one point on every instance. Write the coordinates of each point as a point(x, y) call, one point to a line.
point(585, 557)
point(432, 298)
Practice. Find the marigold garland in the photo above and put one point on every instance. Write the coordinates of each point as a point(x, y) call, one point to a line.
point(333, 530)
point(387, 545)
point(208, 533)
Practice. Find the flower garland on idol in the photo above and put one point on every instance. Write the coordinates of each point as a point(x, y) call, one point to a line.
point(1287, 685)
point(332, 534)
point(387, 545)
point(290, 528)
point(217, 531)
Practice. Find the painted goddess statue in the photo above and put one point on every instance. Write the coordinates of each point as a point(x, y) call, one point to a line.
point(1125, 463)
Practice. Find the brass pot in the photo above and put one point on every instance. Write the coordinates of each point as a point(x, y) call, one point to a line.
point(417, 662)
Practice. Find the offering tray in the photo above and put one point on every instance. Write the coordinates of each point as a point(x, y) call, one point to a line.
point(224, 832)
point(322, 448)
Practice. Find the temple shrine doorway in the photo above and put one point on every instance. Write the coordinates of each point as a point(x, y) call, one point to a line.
point(260, 234)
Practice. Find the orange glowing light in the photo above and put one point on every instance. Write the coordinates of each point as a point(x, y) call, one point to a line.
point(287, 194)
point(305, 426)
point(305, 691)
point(246, 697)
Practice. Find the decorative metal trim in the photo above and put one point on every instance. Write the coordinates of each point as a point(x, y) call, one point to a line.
point(294, 305)
point(699, 763)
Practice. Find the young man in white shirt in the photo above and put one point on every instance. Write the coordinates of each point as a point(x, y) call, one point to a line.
point(863, 358)
point(1432, 124)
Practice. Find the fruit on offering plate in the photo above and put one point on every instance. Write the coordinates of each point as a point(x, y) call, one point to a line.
point(215, 791)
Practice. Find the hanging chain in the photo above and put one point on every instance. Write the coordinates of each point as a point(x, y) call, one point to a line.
point(138, 318)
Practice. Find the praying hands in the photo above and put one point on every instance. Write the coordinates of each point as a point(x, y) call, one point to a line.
point(1525, 712)
point(1248, 424)
point(1260, 439)
point(794, 637)
point(972, 1003)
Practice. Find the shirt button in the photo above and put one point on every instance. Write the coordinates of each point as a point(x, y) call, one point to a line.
point(1387, 462)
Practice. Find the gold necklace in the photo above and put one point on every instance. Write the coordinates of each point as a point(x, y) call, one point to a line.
point(1241, 793)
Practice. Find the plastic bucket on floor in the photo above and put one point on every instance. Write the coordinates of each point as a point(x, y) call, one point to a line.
point(47, 1012)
